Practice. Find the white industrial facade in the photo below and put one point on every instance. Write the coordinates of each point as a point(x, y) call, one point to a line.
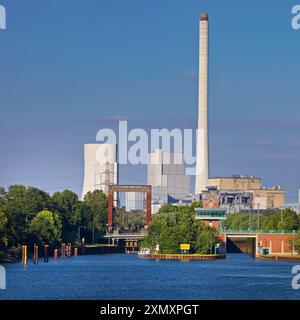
point(166, 175)
point(100, 167)
point(135, 201)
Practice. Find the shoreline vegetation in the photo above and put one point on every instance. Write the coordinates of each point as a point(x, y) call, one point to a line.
point(173, 226)
point(30, 216)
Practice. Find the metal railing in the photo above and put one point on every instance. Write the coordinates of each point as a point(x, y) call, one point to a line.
point(124, 235)
point(256, 231)
point(212, 214)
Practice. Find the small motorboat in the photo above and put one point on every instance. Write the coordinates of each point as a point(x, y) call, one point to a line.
point(144, 252)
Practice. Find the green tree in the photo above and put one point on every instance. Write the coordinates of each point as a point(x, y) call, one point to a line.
point(66, 204)
point(205, 240)
point(21, 206)
point(84, 211)
point(45, 228)
point(97, 201)
point(121, 219)
point(239, 221)
point(197, 204)
point(287, 220)
point(296, 243)
point(3, 223)
point(267, 222)
point(172, 226)
point(3, 234)
point(3, 197)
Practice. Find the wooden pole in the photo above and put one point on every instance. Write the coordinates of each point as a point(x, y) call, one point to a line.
point(35, 254)
point(24, 256)
point(55, 254)
point(46, 256)
point(63, 250)
point(69, 250)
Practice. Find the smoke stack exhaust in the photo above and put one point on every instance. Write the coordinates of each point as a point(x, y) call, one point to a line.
point(202, 165)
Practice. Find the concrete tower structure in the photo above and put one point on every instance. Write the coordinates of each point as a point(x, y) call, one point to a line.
point(166, 175)
point(202, 165)
point(100, 167)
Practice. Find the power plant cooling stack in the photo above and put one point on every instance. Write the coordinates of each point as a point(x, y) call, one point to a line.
point(202, 165)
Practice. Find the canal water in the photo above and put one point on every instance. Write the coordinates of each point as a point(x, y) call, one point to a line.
point(121, 276)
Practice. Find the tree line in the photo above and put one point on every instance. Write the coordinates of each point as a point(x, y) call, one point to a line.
point(286, 219)
point(29, 215)
point(175, 225)
point(283, 220)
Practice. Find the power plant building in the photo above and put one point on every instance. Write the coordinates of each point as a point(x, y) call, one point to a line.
point(135, 201)
point(242, 193)
point(166, 175)
point(100, 167)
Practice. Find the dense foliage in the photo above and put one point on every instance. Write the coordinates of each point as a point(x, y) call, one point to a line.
point(45, 228)
point(29, 215)
point(173, 226)
point(296, 243)
point(124, 221)
point(286, 219)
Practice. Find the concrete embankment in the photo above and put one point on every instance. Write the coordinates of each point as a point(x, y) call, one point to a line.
point(279, 257)
point(186, 256)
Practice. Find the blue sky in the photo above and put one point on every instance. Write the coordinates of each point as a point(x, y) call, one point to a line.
point(69, 68)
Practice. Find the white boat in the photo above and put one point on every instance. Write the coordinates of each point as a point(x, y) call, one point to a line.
point(144, 252)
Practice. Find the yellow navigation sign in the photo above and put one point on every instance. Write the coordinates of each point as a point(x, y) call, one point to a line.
point(185, 246)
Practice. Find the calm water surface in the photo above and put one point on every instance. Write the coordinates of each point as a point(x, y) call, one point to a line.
point(121, 276)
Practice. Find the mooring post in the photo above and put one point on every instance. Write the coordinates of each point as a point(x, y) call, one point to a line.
point(24, 255)
point(46, 256)
point(55, 254)
point(35, 254)
point(63, 250)
point(75, 252)
point(69, 250)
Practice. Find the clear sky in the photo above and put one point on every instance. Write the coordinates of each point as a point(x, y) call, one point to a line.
point(71, 67)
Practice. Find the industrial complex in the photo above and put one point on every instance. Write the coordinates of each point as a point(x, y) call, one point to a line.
point(169, 183)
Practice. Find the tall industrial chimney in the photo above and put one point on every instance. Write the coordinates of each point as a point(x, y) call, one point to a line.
point(202, 165)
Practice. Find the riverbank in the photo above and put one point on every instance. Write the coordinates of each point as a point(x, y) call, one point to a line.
point(186, 256)
point(101, 249)
point(291, 258)
point(90, 249)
